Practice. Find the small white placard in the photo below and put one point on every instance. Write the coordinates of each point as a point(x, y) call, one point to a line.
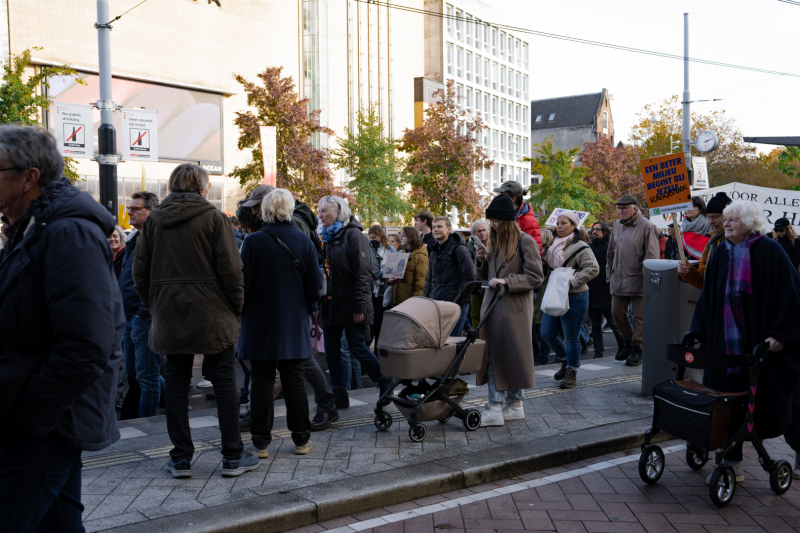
point(139, 135)
point(395, 265)
point(74, 130)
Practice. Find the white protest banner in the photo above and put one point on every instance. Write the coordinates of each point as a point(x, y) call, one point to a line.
point(700, 173)
point(139, 135)
point(582, 215)
point(395, 265)
point(73, 129)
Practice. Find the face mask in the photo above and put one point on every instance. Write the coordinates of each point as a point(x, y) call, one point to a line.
point(375, 244)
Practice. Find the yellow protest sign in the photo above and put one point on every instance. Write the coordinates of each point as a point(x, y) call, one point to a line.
point(666, 184)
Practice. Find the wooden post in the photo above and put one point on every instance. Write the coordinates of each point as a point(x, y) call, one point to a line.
point(678, 237)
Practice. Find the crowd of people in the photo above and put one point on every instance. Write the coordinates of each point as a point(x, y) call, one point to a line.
point(80, 299)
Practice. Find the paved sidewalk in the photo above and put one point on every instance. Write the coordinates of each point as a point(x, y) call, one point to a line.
point(127, 484)
point(604, 494)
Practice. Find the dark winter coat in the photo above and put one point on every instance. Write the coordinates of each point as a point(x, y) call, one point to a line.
point(117, 261)
point(450, 269)
point(772, 311)
point(428, 240)
point(792, 249)
point(238, 236)
point(130, 298)
point(275, 316)
point(61, 323)
point(350, 282)
point(304, 219)
point(599, 291)
point(188, 272)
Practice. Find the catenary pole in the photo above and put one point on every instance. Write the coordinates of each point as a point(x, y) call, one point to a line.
point(687, 113)
point(107, 142)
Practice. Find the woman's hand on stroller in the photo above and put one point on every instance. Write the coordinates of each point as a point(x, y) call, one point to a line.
point(494, 282)
point(774, 345)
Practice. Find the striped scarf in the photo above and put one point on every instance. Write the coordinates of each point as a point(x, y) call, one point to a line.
point(740, 283)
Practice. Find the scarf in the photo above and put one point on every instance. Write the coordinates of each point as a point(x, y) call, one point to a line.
point(327, 234)
point(699, 225)
point(740, 283)
point(555, 254)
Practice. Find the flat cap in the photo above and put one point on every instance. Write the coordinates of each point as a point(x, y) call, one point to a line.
point(257, 195)
point(628, 199)
point(514, 188)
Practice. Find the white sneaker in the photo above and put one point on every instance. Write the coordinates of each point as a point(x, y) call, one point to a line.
point(513, 410)
point(492, 415)
point(204, 384)
point(738, 469)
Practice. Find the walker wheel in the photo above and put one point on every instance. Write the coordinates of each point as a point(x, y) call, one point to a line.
point(417, 433)
point(780, 477)
point(472, 420)
point(651, 464)
point(722, 485)
point(444, 419)
point(696, 457)
point(383, 421)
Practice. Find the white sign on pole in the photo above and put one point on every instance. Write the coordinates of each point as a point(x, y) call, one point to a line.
point(139, 135)
point(74, 131)
point(395, 265)
point(582, 215)
point(700, 173)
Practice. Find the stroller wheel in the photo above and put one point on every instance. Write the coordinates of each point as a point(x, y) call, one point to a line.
point(722, 485)
point(444, 419)
point(473, 420)
point(417, 433)
point(651, 464)
point(383, 421)
point(696, 457)
point(780, 477)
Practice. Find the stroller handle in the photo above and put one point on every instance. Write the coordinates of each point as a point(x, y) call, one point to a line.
point(760, 350)
point(466, 290)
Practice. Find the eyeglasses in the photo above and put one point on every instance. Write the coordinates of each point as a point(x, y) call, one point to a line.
point(714, 216)
point(625, 207)
point(323, 211)
point(12, 168)
point(134, 209)
point(731, 220)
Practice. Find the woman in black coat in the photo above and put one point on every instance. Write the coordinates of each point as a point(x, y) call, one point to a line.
point(279, 298)
point(599, 292)
point(784, 233)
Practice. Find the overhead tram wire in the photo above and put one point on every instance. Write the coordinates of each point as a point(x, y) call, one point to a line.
point(128, 11)
point(579, 40)
point(792, 2)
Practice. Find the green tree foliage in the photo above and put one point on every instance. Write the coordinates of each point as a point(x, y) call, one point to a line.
point(444, 156)
point(21, 97)
point(789, 162)
point(562, 184)
point(372, 162)
point(301, 168)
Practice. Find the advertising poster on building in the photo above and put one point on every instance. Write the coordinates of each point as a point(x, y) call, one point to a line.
point(666, 184)
point(551, 221)
point(139, 135)
point(700, 173)
point(395, 265)
point(269, 142)
point(73, 130)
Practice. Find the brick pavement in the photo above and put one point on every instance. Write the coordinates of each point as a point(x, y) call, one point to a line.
point(604, 494)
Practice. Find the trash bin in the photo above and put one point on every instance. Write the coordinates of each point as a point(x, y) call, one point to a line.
point(669, 304)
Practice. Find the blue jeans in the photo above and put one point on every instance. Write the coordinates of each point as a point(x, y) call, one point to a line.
point(458, 331)
point(351, 368)
point(358, 350)
point(142, 362)
point(571, 323)
point(496, 396)
point(40, 486)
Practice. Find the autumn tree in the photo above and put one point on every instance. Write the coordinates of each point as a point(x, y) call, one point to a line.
point(789, 161)
point(444, 156)
point(614, 172)
point(21, 98)
point(563, 184)
point(371, 160)
point(301, 168)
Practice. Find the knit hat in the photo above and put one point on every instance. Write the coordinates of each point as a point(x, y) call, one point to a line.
point(717, 203)
point(628, 199)
point(781, 224)
point(501, 208)
point(572, 215)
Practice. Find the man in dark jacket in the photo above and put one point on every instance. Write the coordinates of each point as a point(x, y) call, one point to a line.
point(423, 223)
point(61, 325)
point(450, 268)
point(188, 272)
point(599, 292)
point(142, 365)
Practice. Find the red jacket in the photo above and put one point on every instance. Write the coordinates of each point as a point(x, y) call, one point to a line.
point(528, 224)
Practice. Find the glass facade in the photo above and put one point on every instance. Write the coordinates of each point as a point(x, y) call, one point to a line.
point(315, 63)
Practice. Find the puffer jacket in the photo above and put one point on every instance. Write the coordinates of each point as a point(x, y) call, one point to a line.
point(450, 268)
point(188, 273)
point(413, 281)
point(528, 223)
point(350, 281)
point(626, 254)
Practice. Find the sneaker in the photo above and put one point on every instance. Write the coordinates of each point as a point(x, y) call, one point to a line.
point(570, 379)
point(385, 384)
point(738, 469)
point(606, 329)
point(341, 400)
point(624, 351)
point(492, 415)
point(245, 422)
point(635, 359)
point(204, 384)
point(513, 410)
point(258, 452)
point(302, 449)
point(558, 376)
point(181, 469)
point(246, 463)
point(323, 420)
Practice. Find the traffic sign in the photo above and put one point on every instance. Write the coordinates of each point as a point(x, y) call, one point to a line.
point(666, 184)
point(73, 130)
point(139, 135)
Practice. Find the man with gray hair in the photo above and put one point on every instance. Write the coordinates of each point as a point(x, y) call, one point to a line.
point(61, 325)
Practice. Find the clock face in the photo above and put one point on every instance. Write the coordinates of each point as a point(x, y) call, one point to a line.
point(706, 141)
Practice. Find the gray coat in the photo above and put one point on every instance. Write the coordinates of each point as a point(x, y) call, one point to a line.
point(626, 254)
point(507, 331)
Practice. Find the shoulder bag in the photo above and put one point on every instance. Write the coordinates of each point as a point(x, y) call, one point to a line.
point(555, 301)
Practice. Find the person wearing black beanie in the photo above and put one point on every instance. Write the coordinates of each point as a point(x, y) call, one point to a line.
point(501, 208)
point(692, 274)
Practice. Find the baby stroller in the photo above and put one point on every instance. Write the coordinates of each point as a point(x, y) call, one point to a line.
point(415, 345)
point(709, 420)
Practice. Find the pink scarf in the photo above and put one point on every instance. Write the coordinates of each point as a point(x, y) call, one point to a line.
point(555, 254)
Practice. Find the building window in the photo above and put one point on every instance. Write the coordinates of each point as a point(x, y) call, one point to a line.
point(478, 62)
point(486, 109)
point(494, 144)
point(525, 150)
point(524, 118)
point(449, 58)
point(502, 78)
point(215, 195)
point(525, 56)
point(516, 116)
point(460, 93)
point(502, 45)
point(538, 118)
point(605, 122)
point(494, 42)
point(449, 20)
point(516, 51)
point(502, 112)
point(495, 75)
point(525, 87)
point(478, 102)
point(459, 23)
point(486, 38)
point(469, 98)
point(459, 62)
point(510, 82)
point(486, 73)
point(510, 114)
point(552, 117)
point(469, 66)
point(469, 29)
point(502, 145)
point(478, 27)
point(494, 109)
point(518, 84)
point(511, 49)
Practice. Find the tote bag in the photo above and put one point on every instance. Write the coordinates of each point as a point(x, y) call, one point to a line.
point(317, 342)
point(555, 301)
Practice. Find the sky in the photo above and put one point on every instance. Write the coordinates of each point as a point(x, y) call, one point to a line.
point(754, 33)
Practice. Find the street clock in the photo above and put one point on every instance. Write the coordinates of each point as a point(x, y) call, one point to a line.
point(706, 141)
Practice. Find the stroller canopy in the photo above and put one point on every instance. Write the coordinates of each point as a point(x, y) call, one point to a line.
point(418, 323)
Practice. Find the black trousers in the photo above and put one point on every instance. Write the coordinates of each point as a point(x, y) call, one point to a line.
point(262, 407)
point(221, 374)
point(597, 329)
point(377, 307)
point(792, 434)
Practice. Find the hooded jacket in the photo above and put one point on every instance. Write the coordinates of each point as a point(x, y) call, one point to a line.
point(61, 323)
point(450, 268)
point(528, 224)
point(188, 273)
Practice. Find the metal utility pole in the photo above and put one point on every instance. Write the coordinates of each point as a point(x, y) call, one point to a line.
point(687, 114)
point(107, 141)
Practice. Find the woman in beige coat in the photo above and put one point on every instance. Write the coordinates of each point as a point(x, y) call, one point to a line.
point(515, 263)
point(569, 250)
